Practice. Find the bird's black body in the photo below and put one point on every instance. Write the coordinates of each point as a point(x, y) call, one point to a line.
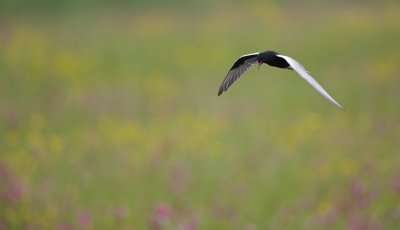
point(267, 57)
point(270, 58)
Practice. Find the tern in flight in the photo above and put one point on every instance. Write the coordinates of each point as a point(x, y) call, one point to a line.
point(274, 59)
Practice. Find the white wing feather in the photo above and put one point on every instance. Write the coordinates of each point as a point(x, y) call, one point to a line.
point(249, 55)
point(306, 76)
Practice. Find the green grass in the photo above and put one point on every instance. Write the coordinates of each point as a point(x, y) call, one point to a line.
point(116, 109)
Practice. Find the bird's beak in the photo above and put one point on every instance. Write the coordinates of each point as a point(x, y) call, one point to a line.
point(259, 64)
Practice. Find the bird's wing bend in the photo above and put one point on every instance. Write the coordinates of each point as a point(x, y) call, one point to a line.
point(306, 76)
point(239, 67)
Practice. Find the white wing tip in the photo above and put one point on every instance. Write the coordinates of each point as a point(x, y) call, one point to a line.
point(340, 107)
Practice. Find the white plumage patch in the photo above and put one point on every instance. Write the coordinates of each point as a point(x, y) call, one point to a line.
point(306, 76)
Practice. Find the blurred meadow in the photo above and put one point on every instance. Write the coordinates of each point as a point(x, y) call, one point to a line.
point(110, 117)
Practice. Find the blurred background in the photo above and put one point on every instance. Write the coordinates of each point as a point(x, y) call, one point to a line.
point(110, 117)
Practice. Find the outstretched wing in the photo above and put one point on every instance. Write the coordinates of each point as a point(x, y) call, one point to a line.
point(239, 67)
point(306, 76)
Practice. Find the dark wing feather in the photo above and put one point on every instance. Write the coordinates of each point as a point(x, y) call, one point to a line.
point(239, 67)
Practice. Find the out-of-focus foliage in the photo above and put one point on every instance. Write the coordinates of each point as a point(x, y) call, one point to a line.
point(110, 119)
